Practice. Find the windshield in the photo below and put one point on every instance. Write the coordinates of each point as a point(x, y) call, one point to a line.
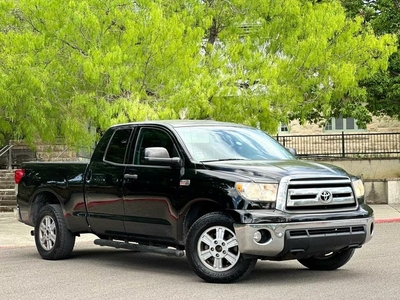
point(231, 143)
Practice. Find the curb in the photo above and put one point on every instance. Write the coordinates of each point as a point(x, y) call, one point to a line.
point(390, 220)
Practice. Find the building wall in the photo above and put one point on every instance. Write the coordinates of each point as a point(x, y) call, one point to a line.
point(384, 124)
point(378, 124)
point(382, 140)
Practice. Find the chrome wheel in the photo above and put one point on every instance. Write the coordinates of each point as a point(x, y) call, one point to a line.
point(218, 249)
point(52, 237)
point(47, 233)
point(213, 252)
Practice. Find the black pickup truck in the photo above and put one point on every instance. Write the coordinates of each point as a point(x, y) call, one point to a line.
point(224, 194)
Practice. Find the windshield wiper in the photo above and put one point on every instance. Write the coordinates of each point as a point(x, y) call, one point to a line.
point(222, 159)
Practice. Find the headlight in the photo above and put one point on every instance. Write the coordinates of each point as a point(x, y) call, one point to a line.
point(265, 192)
point(358, 187)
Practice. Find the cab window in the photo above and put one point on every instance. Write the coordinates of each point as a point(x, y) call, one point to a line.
point(151, 137)
point(117, 147)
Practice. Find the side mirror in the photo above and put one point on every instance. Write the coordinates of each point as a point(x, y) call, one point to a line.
point(292, 151)
point(156, 152)
point(160, 156)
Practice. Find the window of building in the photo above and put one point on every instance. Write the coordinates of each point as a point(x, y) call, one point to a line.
point(342, 124)
point(283, 128)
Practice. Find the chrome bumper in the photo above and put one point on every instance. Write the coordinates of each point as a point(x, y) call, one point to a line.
point(269, 239)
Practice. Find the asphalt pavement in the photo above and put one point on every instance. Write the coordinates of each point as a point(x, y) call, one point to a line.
point(14, 233)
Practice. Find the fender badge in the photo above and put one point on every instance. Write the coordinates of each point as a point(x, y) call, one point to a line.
point(184, 182)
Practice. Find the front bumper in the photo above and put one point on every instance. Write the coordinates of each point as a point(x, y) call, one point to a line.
point(303, 239)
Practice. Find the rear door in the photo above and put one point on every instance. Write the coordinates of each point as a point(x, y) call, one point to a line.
point(151, 190)
point(104, 185)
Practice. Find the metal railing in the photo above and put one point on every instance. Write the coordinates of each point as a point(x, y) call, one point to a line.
point(4, 150)
point(18, 153)
point(353, 145)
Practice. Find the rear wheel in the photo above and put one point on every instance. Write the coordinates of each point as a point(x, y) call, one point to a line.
point(213, 252)
point(52, 237)
point(330, 261)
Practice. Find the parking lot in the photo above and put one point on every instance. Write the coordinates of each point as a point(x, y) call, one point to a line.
point(105, 273)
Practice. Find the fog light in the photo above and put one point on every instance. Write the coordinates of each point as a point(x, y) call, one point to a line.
point(262, 236)
point(257, 236)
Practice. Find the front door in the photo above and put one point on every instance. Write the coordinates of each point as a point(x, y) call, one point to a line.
point(150, 190)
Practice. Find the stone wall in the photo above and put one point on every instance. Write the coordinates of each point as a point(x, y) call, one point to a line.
point(57, 152)
point(45, 152)
point(384, 124)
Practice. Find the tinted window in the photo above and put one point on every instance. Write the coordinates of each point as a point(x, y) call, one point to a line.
point(101, 147)
point(150, 137)
point(117, 146)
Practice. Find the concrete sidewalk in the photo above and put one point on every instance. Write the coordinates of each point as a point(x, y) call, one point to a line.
point(14, 233)
point(385, 213)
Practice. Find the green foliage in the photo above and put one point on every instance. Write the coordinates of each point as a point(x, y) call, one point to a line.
point(66, 66)
point(383, 88)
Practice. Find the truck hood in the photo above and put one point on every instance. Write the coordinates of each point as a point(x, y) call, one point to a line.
point(275, 170)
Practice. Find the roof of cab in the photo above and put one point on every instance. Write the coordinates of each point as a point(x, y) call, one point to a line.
point(184, 123)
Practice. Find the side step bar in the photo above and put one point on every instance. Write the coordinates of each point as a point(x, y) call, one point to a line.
point(140, 248)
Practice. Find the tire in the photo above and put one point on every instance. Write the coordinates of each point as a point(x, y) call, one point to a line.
point(221, 262)
point(328, 262)
point(52, 237)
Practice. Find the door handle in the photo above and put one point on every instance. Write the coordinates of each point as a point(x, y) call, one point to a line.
point(88, 176)
point(130, 176)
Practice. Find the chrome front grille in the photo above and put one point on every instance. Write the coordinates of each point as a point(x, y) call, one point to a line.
point(319, 194)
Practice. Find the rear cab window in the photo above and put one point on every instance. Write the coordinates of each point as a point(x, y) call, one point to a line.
point(118, 146)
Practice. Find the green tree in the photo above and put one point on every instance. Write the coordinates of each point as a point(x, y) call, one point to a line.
point(67, 65)
point(383, 88)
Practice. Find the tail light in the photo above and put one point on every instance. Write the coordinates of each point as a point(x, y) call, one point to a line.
point(18, 174)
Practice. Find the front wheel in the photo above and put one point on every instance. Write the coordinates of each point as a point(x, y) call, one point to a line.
point(52, 237)
point(327, 262)
point(213, 252)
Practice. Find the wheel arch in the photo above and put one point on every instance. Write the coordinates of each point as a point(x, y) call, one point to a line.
point(41, 199)
point(200, 208)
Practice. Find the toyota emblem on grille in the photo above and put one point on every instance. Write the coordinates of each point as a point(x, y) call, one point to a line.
point(325, 196)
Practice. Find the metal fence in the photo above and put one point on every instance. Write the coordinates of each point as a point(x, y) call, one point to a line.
point(362, 145)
